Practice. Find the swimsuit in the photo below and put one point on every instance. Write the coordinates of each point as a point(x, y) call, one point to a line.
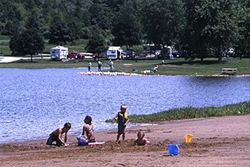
point(90, 134)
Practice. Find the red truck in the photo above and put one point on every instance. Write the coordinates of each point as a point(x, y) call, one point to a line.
point(76, 55)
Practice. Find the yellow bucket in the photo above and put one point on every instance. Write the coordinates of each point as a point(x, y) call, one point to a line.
point(188, 138)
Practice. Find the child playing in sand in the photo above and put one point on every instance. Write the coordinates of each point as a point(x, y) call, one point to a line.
point(122, 120)
point(141, 140)
point(88, 128)
point(56, 135)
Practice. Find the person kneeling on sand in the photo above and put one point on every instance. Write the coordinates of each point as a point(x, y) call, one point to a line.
point(141, 140)
point(56, 135)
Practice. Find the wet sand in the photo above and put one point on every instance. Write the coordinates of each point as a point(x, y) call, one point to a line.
point(217, 141)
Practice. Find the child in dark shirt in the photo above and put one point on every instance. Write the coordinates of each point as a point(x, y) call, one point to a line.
point(122, 119)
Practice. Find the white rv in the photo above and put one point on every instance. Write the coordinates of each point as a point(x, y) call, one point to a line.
point(114, 52)
point(59, 53)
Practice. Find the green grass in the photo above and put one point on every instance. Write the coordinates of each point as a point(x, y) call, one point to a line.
point(190, 112)
point(45, 63)
point(4, 45)
point(210, 66)
point(178, 66)
point(5, 49)
point(4, 37)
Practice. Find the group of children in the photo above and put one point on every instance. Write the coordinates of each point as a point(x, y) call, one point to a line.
point(88, 130)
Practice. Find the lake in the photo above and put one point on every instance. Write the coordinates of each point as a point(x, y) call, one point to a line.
point(34, 102)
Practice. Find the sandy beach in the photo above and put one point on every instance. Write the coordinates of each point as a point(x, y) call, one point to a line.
point(217, 141)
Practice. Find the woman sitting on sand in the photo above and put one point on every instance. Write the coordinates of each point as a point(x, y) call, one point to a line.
point(88, 129)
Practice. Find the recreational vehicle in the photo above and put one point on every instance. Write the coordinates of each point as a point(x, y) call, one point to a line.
point(59, 53)
point(114, 52)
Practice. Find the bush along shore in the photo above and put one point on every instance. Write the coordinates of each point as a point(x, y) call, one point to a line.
point(191, 112)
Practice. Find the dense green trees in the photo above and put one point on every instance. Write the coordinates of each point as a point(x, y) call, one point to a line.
point(127, 28)
point(29, 39)
point(211, 26)
point(98, 40)
point(59, 32)
point(101, 15)
point(162, 20)
point(243, 44)
point(201, 27)
point(11, 16)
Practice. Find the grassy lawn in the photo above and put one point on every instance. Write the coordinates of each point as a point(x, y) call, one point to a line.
point(4, 45)
point(189, 112)
point(179, 66)
point(208, 67)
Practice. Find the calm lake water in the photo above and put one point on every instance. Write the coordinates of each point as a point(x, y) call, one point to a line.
point(33, 102)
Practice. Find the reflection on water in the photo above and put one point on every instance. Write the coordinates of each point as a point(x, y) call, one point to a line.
point(35, 102)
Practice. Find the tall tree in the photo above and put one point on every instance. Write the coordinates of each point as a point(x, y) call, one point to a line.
point(101, 15)
point(115, 5)
point(77, 19)
point(12, 15)
point(30, 40)
point(98, 41)
point(242, 46)
point(162, 20)
point(59, 32)
point(211, 26)
point(127, 28)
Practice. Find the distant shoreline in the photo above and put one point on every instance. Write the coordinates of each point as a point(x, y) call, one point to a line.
point(176, 67)
point(107, 73)
point(104, 73)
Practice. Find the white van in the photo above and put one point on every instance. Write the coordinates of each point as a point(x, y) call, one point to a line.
point(59, 53)
point(114, 52)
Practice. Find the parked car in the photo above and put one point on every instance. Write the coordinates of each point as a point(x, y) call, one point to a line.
point(76, 55)
point(230, 52)
point(127, 53)
point(176, 53)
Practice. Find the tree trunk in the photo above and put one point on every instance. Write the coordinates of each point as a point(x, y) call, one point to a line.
point(219, 54)
point(219, 58)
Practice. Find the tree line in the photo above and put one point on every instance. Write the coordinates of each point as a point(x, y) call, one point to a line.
point(200, 28)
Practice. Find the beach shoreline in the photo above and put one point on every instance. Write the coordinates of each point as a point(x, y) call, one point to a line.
point(107, 73)
point(217, 141)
